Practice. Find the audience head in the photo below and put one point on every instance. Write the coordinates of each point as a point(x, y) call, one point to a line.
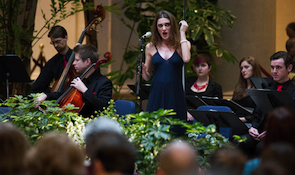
point(203, 64)
point(248, 68)
point(13, 148)
point(290, 47)
point(101, 124)
point(281, 64)
point(227, 159)
point(55, 154)
point(290, 29)
point(277, 158)
point(280, 126)
point(178, 158)
point(112, 153)
point(59, 37)
point(172, 28)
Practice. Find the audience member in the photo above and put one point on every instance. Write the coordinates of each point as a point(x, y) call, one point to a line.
point(290, 30)
point(101, 124)
point(249, 68)
point(112, 153)
point(109, 151)
point(290, 47)
point(178, 158)
point(278, 159)
point(227, 160)
point(13, 148)
point(55, 154)
point(280, 127)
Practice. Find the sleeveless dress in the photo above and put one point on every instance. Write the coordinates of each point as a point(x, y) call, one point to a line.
point(166, 89)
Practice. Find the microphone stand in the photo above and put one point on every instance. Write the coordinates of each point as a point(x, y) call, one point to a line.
point(138, 89)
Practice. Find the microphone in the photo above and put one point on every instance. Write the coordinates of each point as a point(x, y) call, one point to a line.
point(146, 35)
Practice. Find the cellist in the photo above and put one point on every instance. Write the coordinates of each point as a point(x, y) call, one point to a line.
point(54, 67)
point(96, 89)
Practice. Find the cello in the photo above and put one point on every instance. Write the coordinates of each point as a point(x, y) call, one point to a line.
point(69, 72)
point(72, 95)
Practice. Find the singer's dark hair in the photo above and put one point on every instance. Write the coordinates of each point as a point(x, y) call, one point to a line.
point(174, 34)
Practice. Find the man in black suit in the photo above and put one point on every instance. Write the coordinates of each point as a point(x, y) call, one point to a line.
point(281, 65)
point(96, 89)
point(54, 67)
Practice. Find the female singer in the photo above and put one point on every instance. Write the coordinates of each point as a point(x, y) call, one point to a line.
point(202, 85)
point(249, 68)
point(165, 55)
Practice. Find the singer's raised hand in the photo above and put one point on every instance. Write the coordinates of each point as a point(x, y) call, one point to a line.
point(183, 26)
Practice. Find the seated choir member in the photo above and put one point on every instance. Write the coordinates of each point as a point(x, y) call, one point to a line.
point(249, 68)
point(202, 85)
point(281, 65)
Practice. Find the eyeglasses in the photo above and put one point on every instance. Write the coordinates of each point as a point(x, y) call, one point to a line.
point(55, 42)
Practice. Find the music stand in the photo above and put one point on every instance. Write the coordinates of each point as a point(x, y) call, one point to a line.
point(144, 92)
point(12, 70)
point(262, 82)
point(220, 119)
point(266, 100)
point(237, 108)
point(193, 102)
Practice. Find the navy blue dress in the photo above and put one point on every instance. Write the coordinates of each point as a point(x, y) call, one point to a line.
point(166, 90)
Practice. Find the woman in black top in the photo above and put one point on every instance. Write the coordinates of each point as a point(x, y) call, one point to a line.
point(249, 68)
point(202, 85)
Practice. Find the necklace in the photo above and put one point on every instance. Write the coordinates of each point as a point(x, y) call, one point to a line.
point(200, 87)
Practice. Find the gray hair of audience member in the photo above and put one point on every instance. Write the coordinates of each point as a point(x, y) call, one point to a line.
point(98, 125)
point(102, 124)
point(113, 152)
point(178, 158)
point(13, 148)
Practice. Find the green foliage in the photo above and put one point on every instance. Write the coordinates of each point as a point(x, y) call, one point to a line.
point(35, 121)
point(205, 139)
point(151, 132)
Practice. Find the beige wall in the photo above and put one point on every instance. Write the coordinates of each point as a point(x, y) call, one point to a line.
point(253, 34)
point(284, 15)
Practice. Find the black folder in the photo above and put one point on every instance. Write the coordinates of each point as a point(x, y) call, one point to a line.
point(220, 119)
point(266, 100)
point(144, 92)
point(262, 82)
point(193, 102)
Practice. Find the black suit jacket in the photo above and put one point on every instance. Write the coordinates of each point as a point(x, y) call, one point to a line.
point(97, 96)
